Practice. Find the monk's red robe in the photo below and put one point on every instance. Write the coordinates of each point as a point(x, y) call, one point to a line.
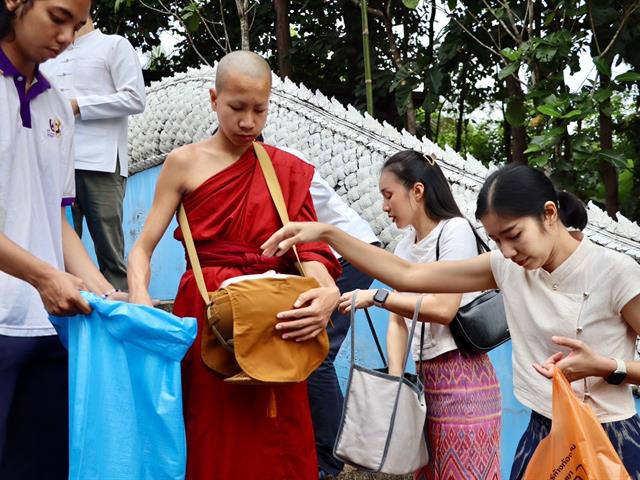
point(230, 435)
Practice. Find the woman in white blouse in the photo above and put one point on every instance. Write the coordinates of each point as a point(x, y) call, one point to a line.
point(570, 304)
point(462, 392)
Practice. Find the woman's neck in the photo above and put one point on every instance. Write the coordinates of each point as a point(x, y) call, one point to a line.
point(423, 226)
point(567, 244)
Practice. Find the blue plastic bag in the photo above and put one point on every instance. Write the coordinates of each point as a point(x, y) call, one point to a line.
point(125, 392)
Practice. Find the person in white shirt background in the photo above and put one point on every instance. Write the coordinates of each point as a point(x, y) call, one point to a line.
point(461, 391)
point(36, 242)
point(101, 77)
point(325, 397)
point(570, 304)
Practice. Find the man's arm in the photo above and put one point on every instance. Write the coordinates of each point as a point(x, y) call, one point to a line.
point(167, 197)
point(129, 97)
point(60, 291)
point(78, 263)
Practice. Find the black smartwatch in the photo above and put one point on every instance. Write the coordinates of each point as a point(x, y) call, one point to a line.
point(619, 374)
point(380, 297)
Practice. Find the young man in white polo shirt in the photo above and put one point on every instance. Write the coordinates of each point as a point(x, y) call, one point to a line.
point(36, 243)
point(101, 77)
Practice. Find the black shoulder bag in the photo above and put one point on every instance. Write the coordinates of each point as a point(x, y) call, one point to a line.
point(480, 325)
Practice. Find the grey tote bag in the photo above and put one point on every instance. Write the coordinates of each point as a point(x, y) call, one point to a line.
point(382, 427)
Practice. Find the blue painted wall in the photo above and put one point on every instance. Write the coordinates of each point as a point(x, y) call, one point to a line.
point(168, 264)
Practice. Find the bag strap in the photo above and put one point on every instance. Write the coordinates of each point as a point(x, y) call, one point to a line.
point(193, 255)
point(274, 189)
point(352, 316)
point(375, 337)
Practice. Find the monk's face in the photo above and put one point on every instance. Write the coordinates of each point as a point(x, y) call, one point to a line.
point(242, 107)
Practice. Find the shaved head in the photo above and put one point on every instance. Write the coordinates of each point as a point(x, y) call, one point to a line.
point(241, 63)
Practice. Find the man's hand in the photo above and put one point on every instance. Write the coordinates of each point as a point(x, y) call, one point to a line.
point(311, 314)
point(142, 298)
point(60, 293)
point(75, 107)
point(579, 363)
point(364, 300)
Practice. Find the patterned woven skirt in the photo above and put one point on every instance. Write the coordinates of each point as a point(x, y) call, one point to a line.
point(463, 418)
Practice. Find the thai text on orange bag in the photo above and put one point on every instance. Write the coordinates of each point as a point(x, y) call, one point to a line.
point(577, 448)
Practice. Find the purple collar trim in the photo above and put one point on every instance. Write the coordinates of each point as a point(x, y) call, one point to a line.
point(40, 85)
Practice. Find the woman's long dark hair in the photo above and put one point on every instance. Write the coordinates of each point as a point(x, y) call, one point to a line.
point(413, 167)
point(518, 190)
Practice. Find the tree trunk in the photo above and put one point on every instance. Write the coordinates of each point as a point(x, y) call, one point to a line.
point(428, 131)
point(410, 117)
point(283, 37)
point(518, 133)
point(461, 100)
point(507, 140)
point(439, 117)
point(608, 171)
point(243, 14)
point(366, 56)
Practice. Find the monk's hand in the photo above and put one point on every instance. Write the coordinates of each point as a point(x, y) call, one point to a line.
point(141, 297)
point(311, 313)
point(60, 293)
point(364, 300)
point(292, 234)
point(580, 362)
point(119, 296)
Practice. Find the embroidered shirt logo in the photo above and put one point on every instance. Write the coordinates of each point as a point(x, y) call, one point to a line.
point(55, 128)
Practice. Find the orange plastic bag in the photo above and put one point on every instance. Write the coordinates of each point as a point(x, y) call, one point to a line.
point(577, 448)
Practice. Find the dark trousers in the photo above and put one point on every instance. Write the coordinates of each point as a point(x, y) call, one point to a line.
point(34, 440)
point(99, 197)
point(325, 396)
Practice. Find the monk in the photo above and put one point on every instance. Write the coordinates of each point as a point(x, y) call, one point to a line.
point(230, 434)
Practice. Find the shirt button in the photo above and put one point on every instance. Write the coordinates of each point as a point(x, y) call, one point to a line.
point(555, 286)
point(579, 330)
point(20, 78)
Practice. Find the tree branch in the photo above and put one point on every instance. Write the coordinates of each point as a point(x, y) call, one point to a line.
point(625, 17)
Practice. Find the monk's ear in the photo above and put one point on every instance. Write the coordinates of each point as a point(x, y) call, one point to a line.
point(213, 95)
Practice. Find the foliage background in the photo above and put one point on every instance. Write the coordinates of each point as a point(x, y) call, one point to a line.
point(436, 66)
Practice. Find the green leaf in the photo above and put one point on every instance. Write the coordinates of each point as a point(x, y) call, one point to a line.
point(572, 113)
point(508, 70)
point(602, 94)
point(412, 4)
point(549, 111)
point(545, 54)
point(617, 159)
point(516, 113)
point(540, 161)
point(510, 54)
point(548, 18)
point(629, 76)
point(603, 66)
point(452, 4)
point(534, 149)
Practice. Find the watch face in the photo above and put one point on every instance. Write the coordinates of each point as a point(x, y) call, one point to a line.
point(616, 378)
point(380, 296)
